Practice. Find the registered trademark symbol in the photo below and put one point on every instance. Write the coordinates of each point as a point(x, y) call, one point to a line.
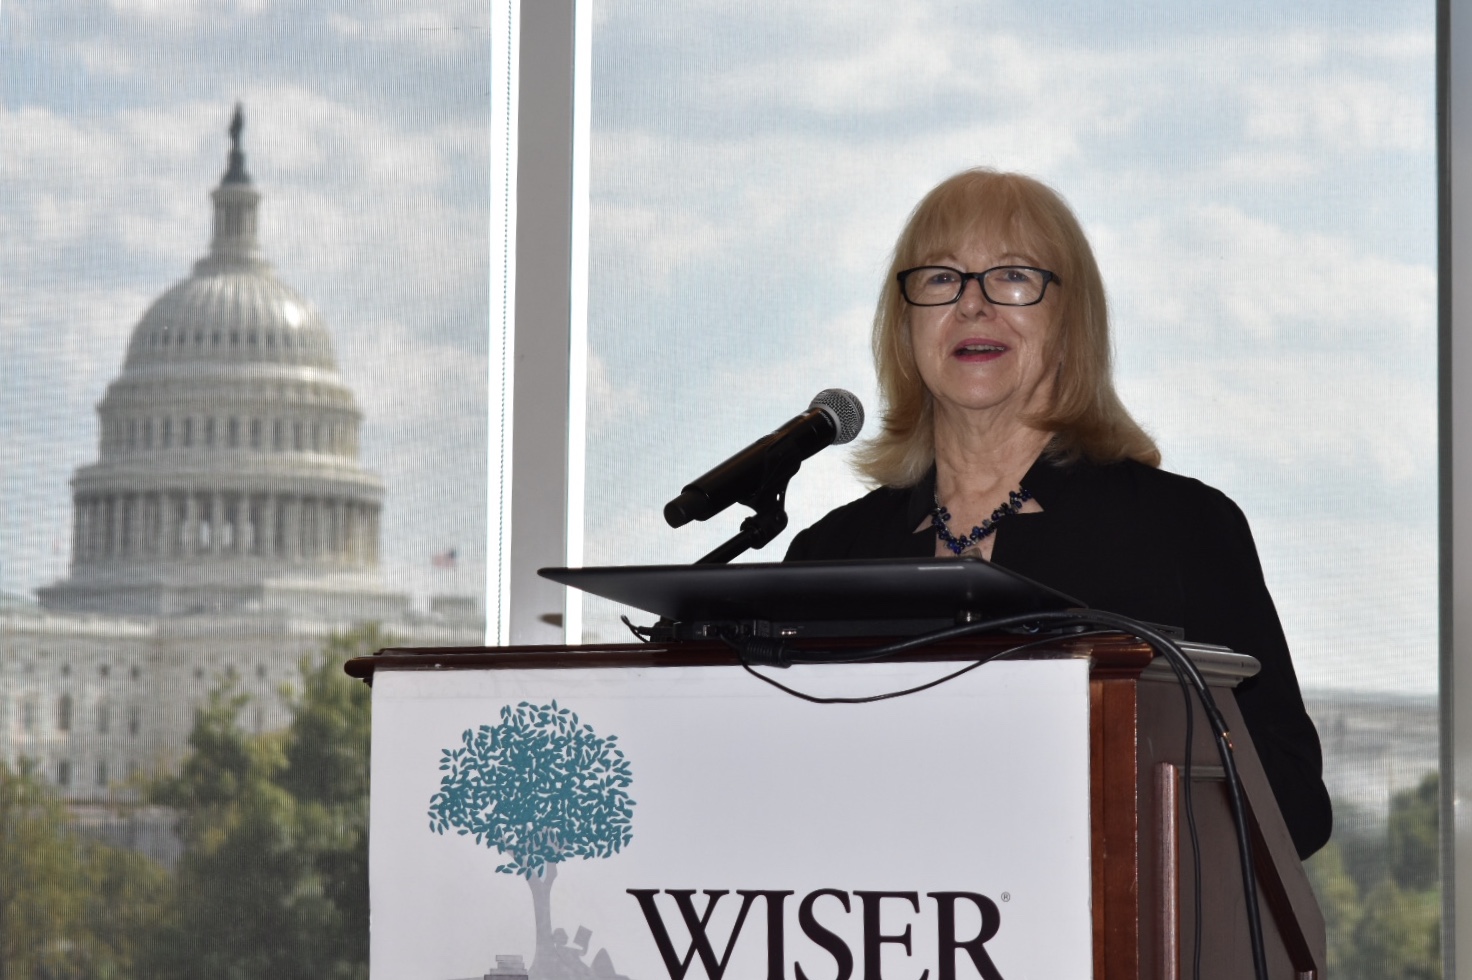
point(1006, 896)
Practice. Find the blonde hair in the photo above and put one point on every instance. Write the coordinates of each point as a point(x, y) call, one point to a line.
point(1016, 215)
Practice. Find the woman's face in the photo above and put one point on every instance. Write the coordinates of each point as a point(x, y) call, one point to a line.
point(978, 356)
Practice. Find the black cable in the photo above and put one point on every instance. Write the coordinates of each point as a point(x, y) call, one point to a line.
point(871, 698)
point(642, 632)
point(1186, 672)
point(1187, 803)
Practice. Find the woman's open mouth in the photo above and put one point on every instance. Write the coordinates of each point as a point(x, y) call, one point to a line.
point(979, 350)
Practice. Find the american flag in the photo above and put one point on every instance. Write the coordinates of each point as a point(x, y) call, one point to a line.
point(445, 559)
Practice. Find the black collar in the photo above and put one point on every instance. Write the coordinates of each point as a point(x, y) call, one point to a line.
point(1045, 478)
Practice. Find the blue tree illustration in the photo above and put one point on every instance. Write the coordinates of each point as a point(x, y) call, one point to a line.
point(540, 788)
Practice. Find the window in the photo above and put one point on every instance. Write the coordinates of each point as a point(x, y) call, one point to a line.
point(64, 713)
point(1246, 415)
point(104, 718)
point(64, 773)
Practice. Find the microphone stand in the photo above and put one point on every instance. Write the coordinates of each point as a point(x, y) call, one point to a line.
point(758, 530)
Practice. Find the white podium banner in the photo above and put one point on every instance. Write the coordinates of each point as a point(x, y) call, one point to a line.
point(684, 823)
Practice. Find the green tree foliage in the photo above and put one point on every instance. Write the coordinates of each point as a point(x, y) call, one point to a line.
point(1339, 900)
point(1414, 846)
point(69, 907)
point(273, 879)
point(1397, 936)
point(1381, 894)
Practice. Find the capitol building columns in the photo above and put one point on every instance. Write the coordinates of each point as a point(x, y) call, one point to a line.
point(191, 526)
point(157, 527)
point(168, 525)
point(293, 525)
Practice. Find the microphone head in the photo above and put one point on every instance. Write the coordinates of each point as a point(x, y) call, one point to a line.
point(845, 411)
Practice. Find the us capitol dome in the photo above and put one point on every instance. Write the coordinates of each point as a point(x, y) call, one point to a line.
point(227, 475)
point(225, 531)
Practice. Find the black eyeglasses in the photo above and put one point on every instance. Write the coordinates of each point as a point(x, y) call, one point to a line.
point(1005, 285)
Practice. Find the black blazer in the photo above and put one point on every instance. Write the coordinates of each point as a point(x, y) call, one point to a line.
point(1138, 541)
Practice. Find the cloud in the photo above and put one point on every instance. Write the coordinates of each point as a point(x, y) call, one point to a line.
point(454, 28)
point(1227, 277)
point(174, 13)
point(105, 59)
point(613, 402)
point(1330, 417)
point(1358, 603)
point(1342, 111)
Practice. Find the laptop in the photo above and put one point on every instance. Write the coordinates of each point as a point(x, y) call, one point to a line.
point(885, 597)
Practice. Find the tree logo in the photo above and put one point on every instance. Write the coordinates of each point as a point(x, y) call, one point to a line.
point(539, 788)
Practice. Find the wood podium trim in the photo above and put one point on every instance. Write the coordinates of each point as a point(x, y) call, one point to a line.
point(1168, 868)
point(1111, 652)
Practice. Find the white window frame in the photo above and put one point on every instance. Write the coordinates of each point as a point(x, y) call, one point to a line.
point(1454, 116)
point(545, 373)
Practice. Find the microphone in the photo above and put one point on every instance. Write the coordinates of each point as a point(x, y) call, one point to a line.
point(834, 416)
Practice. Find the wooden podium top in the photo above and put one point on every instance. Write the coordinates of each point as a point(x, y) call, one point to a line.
point(1111, 653)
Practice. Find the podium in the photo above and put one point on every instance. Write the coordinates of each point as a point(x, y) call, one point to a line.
point(653, 810)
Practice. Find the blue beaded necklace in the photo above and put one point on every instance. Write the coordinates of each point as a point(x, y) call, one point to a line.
point(940, 519)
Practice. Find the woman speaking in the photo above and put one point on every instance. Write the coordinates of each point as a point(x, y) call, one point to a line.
point(1004, 439)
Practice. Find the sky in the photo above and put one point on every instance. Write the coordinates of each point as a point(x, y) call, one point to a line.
point(366, 132)
point(1257, 180)
point(1259, 187)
